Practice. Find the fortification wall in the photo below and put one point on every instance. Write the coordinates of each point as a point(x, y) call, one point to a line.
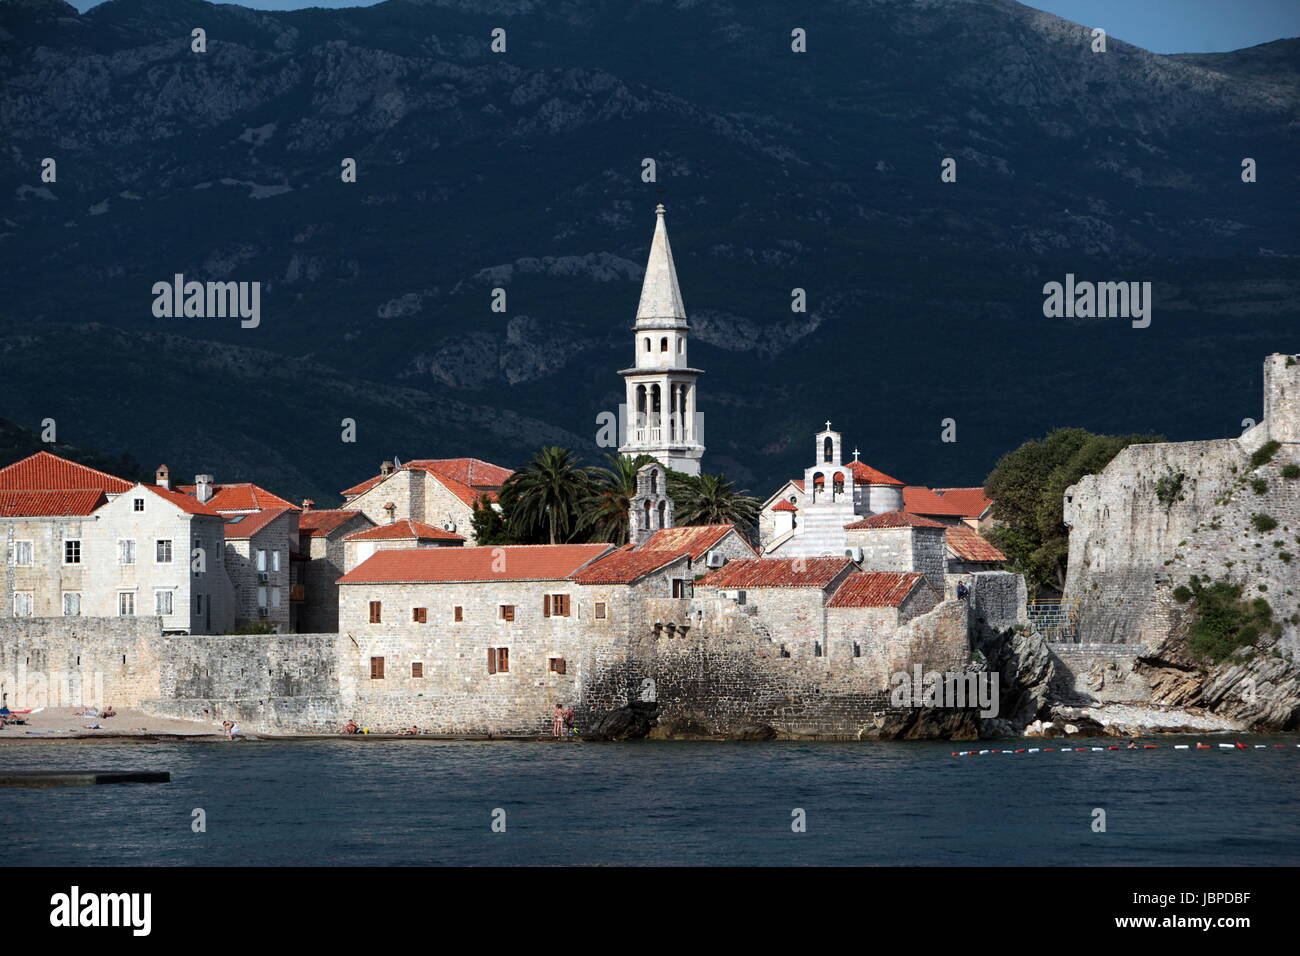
point(1104, 672)
point(117, 654)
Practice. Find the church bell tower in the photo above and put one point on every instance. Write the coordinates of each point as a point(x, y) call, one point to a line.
point(660, 416)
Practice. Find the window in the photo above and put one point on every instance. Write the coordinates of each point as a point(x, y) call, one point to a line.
point(261, 597)
point(261, 560)
point(417, 669)
point(126, 551)
point(555, 665)
point(162, 602)
point(647, 345)
point(376, 668)
point(137, 504)
point(125, 603)
point(458, 614)
point(507, 612)
point(198, 604)
point(71, 604)
point(817, 648)
point(602, 611)
point(163, 551)
point(555, 605)
point(72, 551)
point(376, 612)
point(498, 660)
point(22, 604)
point(275, 596)
point(23, 553)
point(857, 649)
point(681, 588)
point(663, 345)
point(420, 615)
point(275, 560)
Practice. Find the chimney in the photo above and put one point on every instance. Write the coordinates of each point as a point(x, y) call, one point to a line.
point(203, 488)
point(306, 504)
point(386, 468)
point(162, 477)
point(392, 512)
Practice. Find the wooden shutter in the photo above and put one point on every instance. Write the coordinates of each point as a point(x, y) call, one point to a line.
point(458, 613)
point(417, 669)
point(420, 615)
point(376, 611)
point(559, 665)
point(376, 668)
point(546, 605)
point(492, 660)
point(563, 601)
point(504, 663)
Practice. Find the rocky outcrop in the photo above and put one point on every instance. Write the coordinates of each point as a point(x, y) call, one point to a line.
point(630, 722)
point(1026, 673)
point(924, 723)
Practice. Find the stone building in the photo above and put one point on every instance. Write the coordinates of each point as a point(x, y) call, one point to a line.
point(434, 491)
point(661, 417)
point(321, 541)
point(258, 548)
point(1225, 509)
point(898, 541)
point(360, 545)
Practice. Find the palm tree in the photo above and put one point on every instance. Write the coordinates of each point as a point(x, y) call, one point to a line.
point(605, 511)
point(712, 499)
point(545, 497)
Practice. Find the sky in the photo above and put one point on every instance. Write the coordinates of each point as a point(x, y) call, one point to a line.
point(1162, 26)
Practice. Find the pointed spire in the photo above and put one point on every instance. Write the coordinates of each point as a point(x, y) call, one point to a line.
point(661, 299)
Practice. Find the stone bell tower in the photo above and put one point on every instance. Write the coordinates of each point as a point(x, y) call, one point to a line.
point(650, 509)
point(660, 416)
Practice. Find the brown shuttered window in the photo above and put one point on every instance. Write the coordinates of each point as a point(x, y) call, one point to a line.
point(557, 665)
point(376, 668)
point(560, 603)
point(601, 611)
point(507, 612)
point(417, 669)
point(492, 660)
point(458, 614)
point(546, 605)
point(420, 615)
point(376, 608)
point(498, 660)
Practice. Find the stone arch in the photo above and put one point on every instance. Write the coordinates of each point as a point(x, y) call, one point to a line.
point(837, 482)
point(663, 507)
point(828, 449)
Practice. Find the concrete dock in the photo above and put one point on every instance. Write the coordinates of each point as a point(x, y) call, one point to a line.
point(79, 778)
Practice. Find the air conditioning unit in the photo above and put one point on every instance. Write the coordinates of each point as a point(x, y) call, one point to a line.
point(853, 554)
point(737, 596)
point(263, 612)
point(715, 559)
point(263, 577)
point(449, 526)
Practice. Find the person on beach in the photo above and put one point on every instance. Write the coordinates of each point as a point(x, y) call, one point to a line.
point(557, 721)
point(350, 727)
point(108, 712)
point(568, 721)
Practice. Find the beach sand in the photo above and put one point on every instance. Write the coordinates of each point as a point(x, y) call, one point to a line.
point(67, 722)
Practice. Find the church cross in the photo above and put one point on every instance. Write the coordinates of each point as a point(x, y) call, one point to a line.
point(855, 454)
point(828, 424)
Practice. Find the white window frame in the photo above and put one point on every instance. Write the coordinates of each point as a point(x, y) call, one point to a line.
point(71, 594)
point(261, 560)
point(30, 603)
point(158, 595)
point(122, 552)
point(31, 553)
point(66, 542)
point(275, 560)
point(171, 550)
point(137, 505)
point(121, 601)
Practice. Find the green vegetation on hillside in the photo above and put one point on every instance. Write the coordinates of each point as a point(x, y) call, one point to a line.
point(1223, 622)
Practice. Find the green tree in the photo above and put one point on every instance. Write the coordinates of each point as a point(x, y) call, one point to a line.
point(712, 499)
point(1028, 488)
point(545, 498)
point(605, 511)
point(489, 524)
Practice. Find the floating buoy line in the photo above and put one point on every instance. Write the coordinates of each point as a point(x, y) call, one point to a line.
point(1238, 745)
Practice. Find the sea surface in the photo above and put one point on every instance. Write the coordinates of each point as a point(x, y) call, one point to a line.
point(419, 803)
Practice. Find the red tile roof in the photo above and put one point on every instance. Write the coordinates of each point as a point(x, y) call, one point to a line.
point(784, 505)
point(404, 530)
point(893, 519)
point(21, 504)
point(520, 562)
point(626, 566)
point(776, 573)
point(241, 496)
point(691, 539)
point(467, 478)
point(46, 472)
point(866, 475)
point(239, 527)
point(948, 502)
point(313, 523)
point(184, 502)
point(969, 545)
point(875, 589)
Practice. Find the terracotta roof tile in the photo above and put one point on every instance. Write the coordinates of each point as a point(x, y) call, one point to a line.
point(405, 529)
point(470, 476)
point(948, 502)
point(691, 539)
point(239, 527)
point(324, 521)
point(183, 501)
point(875, 589)
point(776, 573)
point(866, 475)
point(893, 519)
point(626, 566)
point(968, 544)
point(21, 504)
point(535, 562)
point(46, 472)
point(784, 505)
point(240, 496)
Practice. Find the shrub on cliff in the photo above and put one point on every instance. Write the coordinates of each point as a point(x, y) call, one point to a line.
point(1264, 454)
point(1027, 487)
point(1223, 622)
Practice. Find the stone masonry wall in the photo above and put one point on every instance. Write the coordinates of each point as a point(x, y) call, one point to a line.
point(118, 653)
